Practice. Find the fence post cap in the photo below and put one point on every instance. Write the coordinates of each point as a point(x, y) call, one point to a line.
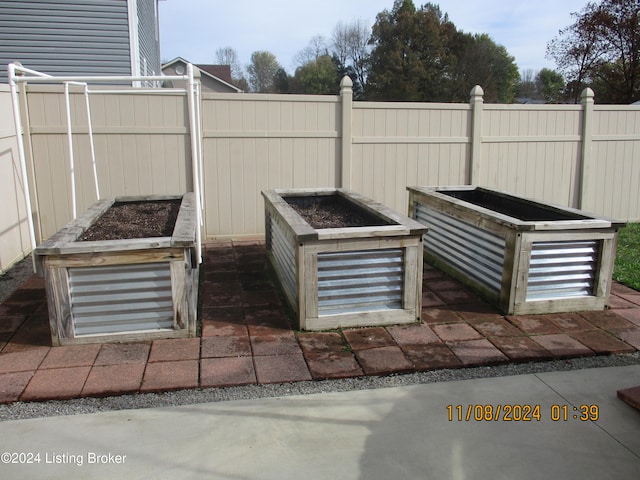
point(346, 82)
point(477, 91)
point(587, 93)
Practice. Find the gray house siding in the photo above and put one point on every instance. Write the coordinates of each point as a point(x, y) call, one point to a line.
point(76, 37)
point(148, 38)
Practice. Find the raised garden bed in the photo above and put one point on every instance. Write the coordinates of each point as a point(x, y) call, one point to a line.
point(523, 256)
point(344, 260)
point(125, 269)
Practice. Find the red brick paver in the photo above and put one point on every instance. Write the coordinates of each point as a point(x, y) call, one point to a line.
point(432, 356)
point(12, 385)
point(165, 376)
point(71, 356)
point(521, 348)
point(478, 352)
point(602, 342)
point(247, 338)
point(175, 349)
point(274, 342)
point(225, 346)
point(632, 315)
point(562, 345)
point(281, 368)
point(56, 383)
point(630, 396)
point(383, 360)
point(534, 324)
point(606, 320)
point(494, 327)
point(571, 322)
point(629, 335)
point(121, 353)
point(416, 334)
point(227, 372)
point(372, 337)
point(105, 380)
point(456, 332)
point(22, 360)
point(333, 365)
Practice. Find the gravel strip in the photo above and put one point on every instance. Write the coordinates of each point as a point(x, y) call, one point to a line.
point(20, 272)
point(14, 277)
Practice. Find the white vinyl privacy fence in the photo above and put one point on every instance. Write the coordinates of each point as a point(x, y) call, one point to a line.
point(14, 220)
point(585, 156)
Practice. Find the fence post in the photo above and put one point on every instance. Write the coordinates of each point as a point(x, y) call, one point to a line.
point(346, 94)
point(586, 99)
point(477, 103)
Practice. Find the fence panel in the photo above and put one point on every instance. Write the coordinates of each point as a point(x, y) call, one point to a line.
point(257, 142)
point(613, 182)
point(141, 143)
point(532, 151)
point(399, 144)
point(14, 228)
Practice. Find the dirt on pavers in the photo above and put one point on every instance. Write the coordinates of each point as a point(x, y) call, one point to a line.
point(139, 219)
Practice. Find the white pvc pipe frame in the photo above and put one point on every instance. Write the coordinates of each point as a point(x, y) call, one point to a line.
point(19, 74)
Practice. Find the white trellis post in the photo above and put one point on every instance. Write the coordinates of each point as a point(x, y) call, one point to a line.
point(586, 99)
point(477, 104)
point(346, 94)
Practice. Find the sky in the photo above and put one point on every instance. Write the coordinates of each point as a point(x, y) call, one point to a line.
point(195, 29)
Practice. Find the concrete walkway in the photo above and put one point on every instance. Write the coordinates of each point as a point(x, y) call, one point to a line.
point(392, 433)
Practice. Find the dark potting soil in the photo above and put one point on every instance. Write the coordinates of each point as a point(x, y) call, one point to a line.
point(332, 212)
point(142, 219)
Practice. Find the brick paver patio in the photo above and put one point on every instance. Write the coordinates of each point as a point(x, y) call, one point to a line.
point(247, 338)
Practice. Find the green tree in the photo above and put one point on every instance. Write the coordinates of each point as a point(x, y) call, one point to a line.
point(480, 61)
point(419, 55)
point(550, 85)
point(262, 71)
point(282, 81)
point(409, 53)
point(317, 77)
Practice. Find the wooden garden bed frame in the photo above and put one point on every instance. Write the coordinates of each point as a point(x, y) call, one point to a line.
point(338, 277)
point(156, 261)
point(521, 266)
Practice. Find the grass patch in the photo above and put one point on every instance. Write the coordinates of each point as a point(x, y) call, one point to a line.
point(627, 265)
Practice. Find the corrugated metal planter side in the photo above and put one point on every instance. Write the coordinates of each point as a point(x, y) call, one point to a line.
point(521, 266)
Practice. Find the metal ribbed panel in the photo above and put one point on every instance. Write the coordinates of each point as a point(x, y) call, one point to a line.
point(562, 269)
point(121, 298)
point(284, 256)
point(148, 37)
point(471, 250)
point(360, 281)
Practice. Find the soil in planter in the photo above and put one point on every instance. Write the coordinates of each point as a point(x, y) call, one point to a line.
point(332, 211)
point(143, 219)
point(513, 207)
